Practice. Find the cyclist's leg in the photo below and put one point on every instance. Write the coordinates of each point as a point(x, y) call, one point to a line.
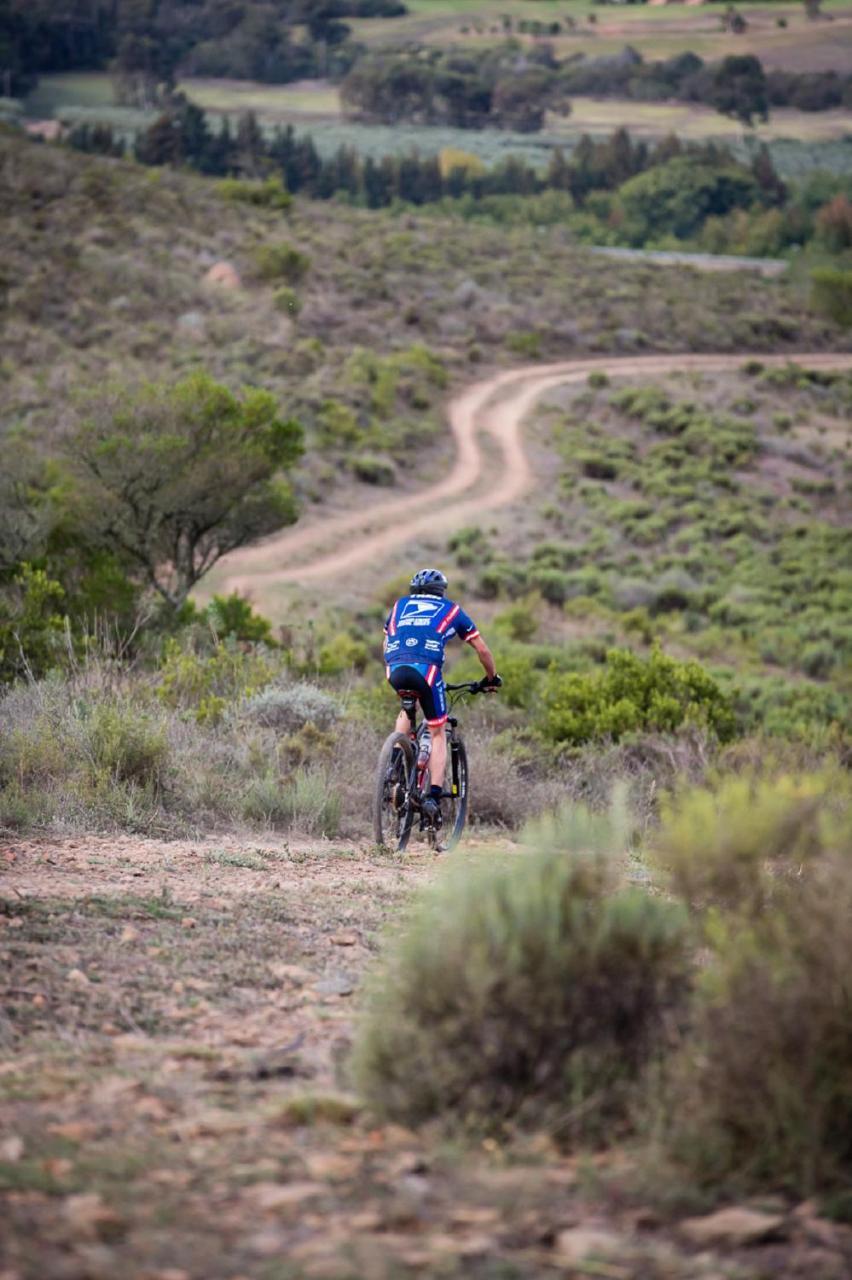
point(435, 711)
point(438, 758)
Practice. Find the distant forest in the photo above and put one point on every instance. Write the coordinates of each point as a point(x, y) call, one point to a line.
point(148, 44)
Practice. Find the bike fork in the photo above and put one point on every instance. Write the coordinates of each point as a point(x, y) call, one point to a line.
point(454, 762)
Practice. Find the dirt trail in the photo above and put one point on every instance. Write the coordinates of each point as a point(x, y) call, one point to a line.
point(494, 409)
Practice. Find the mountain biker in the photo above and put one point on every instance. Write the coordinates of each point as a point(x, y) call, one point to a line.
point(416, 631)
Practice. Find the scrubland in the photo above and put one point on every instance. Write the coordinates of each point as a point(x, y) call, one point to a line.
point(238, 1040)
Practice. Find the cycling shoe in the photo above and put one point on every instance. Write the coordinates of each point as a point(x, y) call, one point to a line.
point(431, 809)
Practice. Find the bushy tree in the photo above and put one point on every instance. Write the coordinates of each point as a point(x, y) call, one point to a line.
point(676, 198)
point(834, 224)
point(173, 477)
point(738, 89)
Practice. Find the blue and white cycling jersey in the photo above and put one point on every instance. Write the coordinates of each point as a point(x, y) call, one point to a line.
point(418, 627)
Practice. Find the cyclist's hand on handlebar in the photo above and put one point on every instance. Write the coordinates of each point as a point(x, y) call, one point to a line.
point(490, 684)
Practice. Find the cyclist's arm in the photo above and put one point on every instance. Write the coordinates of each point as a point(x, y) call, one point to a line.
point(485, 655)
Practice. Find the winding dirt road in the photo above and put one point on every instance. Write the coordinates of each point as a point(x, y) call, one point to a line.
point(492, 410)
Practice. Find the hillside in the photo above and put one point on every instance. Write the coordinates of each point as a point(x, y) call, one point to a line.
point(104, 278)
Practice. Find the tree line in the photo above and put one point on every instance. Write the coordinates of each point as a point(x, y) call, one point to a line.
point(147, 45)
point(513, 86)
point(182, 136)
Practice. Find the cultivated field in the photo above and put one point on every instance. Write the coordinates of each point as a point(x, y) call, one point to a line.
point(656, 31)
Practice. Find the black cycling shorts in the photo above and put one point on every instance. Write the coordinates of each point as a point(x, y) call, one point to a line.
point(425, 682)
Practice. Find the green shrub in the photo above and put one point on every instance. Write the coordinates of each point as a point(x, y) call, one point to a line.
point(287, 300)
point(343, 654)
point(32, 629)
point(632, 693)
point(524, 344)
point(818, 660)
point(269, 194)
point(556, 555)
point(551, 584)
point(760, 1095)
point(816, 713)
point(281, 262)
point(374, 470)
point(530, 990)
point(20, 810)
point(264, 800)
point(521, 620)
point(632, 593)
point(469, 545)
point(675, 590)
point(307, 801)
point(831, 294)
point(125, 744)
point(556, 587)
point(189, 679)
point(234, 616)
point(313, 803)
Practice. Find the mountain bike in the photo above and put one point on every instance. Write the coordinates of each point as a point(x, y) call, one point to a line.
point(402, 780)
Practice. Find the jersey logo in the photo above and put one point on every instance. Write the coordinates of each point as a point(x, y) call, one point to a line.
point(411, 642)
point(420, 609)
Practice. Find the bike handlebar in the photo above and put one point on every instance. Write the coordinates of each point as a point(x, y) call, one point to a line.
point(471, 686)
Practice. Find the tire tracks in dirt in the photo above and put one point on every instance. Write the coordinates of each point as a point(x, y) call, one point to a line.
point(492, 410)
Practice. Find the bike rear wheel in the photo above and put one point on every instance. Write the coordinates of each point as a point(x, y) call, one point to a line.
point(393, 813)
point(454, 805)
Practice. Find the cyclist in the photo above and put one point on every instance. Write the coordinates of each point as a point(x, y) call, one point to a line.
point(416, 631)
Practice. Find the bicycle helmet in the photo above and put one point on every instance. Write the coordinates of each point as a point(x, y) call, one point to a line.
point(429, 582)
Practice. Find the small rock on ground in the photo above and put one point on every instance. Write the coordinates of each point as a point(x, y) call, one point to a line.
point(734, 1227)
point(578, 1244)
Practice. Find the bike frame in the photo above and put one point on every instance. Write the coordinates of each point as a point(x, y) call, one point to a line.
point(418, 773)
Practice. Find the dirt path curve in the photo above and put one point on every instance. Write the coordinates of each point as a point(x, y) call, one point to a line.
point(495, 409)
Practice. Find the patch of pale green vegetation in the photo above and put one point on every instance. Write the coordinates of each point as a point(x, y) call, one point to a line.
point(706, 515)
point(547, 994)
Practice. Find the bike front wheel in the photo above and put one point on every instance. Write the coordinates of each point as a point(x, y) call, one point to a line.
point(393, 814)
point(454, 805)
